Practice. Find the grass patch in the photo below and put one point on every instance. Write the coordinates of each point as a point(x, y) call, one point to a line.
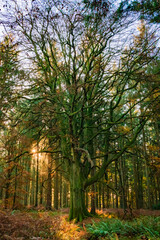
point(147, 226)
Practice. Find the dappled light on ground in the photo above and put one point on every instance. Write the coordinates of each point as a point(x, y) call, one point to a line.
point(54, 225)
point(67, 230)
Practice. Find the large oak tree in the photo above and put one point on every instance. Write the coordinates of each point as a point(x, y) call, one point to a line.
point(83, 76)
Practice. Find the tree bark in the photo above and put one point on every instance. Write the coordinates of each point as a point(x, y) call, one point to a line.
point(37, 177)
point(15, 190)
point(78, 209)
point(56, 188)
point(7, 193)
point(116, 184)
point(103, 196)
point(60, 190)
point(49, 184)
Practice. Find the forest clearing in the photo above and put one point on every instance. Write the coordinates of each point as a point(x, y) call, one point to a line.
point(79, 119)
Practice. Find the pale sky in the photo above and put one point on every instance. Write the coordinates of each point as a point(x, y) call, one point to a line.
point(3, 10)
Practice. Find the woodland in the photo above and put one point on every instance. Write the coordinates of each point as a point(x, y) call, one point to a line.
point(79, 119)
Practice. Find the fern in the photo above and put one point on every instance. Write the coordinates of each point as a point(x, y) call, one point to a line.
point(148, 226)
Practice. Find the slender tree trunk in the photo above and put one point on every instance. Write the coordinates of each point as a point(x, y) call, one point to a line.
point(107, 192)
point(96, 195)
point(146, 171)
point(93, 196)
point(116, 185)
point(122, 182)
point(33, 186)
point(41, 191)
point(140, 183)
point(60, 191)
point(15, 190)
point(100, 196)
point(56, 188)
point(136, 182)
point(37, 177)
point(103, 196)
point(157, 131)
point(49, 184)
point(64, 205)
point(7, 193)
point(27, 187)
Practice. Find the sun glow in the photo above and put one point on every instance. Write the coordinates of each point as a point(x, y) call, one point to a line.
point(34, 150)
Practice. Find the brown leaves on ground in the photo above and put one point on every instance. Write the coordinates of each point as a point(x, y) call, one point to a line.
point(37, 226)
point(68, 230)
point(24, 226)
point(47, 225)
point(117, 212)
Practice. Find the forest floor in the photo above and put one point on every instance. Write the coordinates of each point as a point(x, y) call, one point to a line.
point(48, 225)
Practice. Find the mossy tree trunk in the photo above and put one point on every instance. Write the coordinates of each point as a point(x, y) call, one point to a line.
point(78, 209)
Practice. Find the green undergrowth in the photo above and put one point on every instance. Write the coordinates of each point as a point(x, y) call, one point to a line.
point(36, 214)
point(146, 227)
